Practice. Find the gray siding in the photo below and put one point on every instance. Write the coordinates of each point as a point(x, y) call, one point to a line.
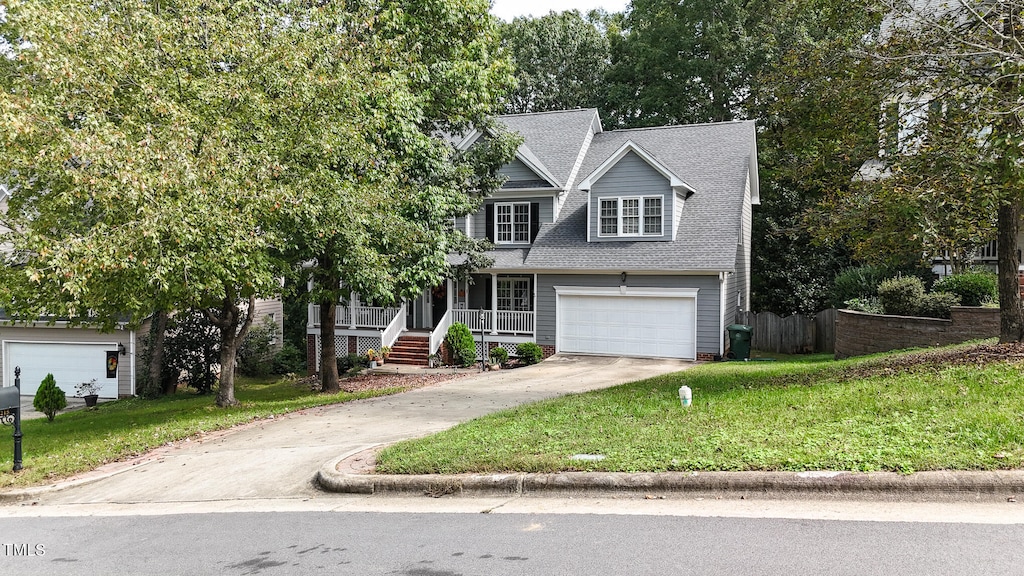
point(632, 176)
point(708, 301)
point(516, 171)
point(547, 212)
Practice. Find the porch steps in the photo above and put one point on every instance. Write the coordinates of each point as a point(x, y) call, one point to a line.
point(410, 350)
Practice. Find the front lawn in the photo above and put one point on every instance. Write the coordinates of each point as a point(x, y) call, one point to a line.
point(84, 439)
point(952, 409)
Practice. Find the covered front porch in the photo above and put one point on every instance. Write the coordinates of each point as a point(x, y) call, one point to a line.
point(502, 307)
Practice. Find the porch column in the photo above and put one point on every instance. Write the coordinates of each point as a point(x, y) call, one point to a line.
point(534, 287)
point(352, 310)
point(494, 303)
point(449, 290)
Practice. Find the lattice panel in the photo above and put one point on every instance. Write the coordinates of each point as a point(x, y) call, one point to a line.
point(365, 343)
point(509, 347)
point(340, 347)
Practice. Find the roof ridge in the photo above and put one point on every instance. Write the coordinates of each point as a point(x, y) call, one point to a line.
point(547, 112)
point(677, 126)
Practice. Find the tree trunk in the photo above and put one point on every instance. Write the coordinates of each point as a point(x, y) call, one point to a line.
point(328, 350)
point(157, 335)
point(1011, 316)
point(233, 326)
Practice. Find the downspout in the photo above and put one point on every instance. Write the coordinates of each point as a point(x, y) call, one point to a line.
point(131, 359)
point(722, 280)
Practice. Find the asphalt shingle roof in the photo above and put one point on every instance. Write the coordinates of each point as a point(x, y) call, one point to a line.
point(555, 138)
point(712, 158)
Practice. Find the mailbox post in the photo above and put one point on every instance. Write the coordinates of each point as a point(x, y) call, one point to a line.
point(10, 413)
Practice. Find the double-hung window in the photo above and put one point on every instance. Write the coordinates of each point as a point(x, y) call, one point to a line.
point(514, 294)
point(630, 216)
point(512, 223)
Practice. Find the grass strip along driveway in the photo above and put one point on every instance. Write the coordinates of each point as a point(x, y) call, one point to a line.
point(84, 439)
point(955, 408)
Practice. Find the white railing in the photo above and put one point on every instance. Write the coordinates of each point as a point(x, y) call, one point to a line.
point(394, 329)
point(472, 319)
point(508, 321)
point(366, 316)
point(440, 331)
point(515, 322)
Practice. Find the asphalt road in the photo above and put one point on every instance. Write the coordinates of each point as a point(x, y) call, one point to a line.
point(416, 544)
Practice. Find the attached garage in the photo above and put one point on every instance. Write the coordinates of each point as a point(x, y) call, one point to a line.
point(646, 322)
point(70, 364)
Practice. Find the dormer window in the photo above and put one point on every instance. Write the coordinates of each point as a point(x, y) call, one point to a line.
point(631, 216)
point(512, 223)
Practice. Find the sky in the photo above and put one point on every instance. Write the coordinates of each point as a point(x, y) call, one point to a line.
point(509, 9)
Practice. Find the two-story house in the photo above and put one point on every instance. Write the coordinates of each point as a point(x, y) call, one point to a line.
point(625, 242)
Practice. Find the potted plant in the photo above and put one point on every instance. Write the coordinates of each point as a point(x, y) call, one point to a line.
point(385, 353)
point(89, 391)
point(371, 355)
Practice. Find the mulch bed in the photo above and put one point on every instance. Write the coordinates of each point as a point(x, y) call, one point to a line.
point(379, 381)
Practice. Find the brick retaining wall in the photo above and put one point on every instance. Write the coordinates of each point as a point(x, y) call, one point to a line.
point(859, 333)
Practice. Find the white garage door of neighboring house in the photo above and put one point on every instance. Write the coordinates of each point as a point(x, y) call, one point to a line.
point(652, 322)
point(70, 364)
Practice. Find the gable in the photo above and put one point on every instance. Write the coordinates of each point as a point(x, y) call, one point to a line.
point(519, 175)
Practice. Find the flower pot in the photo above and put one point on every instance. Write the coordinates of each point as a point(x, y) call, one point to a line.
point(373, 364)
point(90, 399)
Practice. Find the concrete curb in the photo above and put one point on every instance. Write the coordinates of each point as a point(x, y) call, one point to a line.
point(993, 485)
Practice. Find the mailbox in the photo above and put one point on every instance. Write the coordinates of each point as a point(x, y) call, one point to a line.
point(10, 398)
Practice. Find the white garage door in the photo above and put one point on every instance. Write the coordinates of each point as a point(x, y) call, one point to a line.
point(652, 323)
point(69, 364)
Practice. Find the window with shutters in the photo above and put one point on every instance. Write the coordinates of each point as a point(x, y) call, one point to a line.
point(512, 223)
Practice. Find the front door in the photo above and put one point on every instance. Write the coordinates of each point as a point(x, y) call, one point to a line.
point(438, 303)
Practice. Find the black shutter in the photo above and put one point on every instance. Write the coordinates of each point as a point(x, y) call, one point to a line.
point(534, 220)
point(487, 291)
point(489, 221)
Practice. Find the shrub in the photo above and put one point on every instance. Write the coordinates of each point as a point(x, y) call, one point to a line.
point(352, 361)
point(460, 342)
point(869, 305)
point(529, 353)
point(256, 354)
point(859, 283)
point(901, 295)
point(289, 360)
point(974, 288)
point(49, 398)
point(191, 351)
point(937, 304)
point(499, 355)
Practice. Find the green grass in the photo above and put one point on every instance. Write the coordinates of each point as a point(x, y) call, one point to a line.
point(84, 439)
point(809, 413)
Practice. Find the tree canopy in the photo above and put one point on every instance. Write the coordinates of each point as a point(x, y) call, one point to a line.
point(164, 155)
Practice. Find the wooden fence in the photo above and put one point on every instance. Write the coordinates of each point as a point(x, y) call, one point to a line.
point(797, 334)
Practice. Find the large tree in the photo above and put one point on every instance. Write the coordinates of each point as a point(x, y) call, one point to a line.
point(374, 177)
point(560, 60)
point(679, 62)
point(963, 63)
point(816, 128)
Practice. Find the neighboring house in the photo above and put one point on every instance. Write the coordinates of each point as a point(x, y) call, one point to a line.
point(72, 354)
point(76, 354)
point(628, 242)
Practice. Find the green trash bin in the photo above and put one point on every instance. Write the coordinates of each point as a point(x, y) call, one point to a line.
point(739, 341)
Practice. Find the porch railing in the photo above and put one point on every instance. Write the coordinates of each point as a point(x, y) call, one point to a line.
point(440, 331)
point(508, 322)
point(515, 322)
point(394, 329)
point(365, 316)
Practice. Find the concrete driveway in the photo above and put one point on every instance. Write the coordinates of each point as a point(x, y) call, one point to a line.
point(278, 458)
